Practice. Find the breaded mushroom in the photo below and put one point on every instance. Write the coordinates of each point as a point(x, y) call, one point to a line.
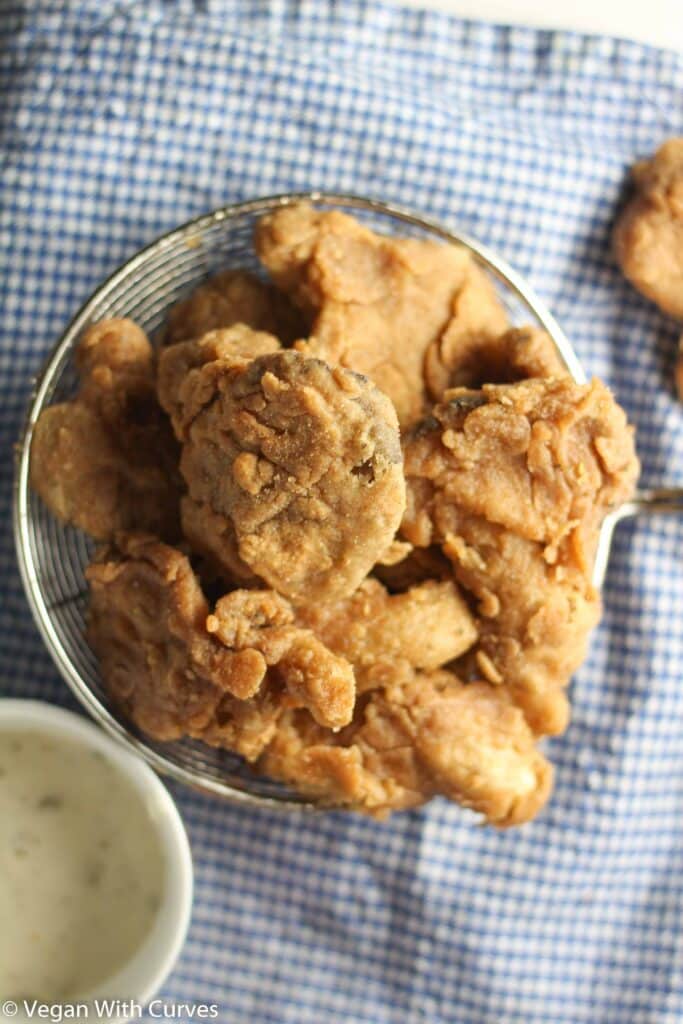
point(178, 669)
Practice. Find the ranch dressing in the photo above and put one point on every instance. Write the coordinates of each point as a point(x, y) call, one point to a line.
point(81, 867)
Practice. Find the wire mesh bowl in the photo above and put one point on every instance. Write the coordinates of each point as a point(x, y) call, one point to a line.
point(52, 557)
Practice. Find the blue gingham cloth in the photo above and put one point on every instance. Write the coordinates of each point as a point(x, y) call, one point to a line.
point(120, 120)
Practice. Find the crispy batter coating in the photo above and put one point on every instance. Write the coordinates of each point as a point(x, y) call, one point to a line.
point(534, 618)
point(179, 670)
point(234, 297)
point(513, 482)
point(107, 459)
point(648, 236)
point(428, 735)
point(303, 463)
point(437, 673)
point(180, 365)
point(541, 457)
point(517, 354)
point(212, 536)
point(525, 352)
point(470, 340)
point(378, 304)
point(180, 393)
point(426, 627)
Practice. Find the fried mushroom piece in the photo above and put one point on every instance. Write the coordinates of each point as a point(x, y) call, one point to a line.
point(513, 482)
point(377, 304)
point(314, 678)
point(424, 628)
point(303, 464)
point(427, 735)
point(107, 460)
point(517, 354)
point(179, 670)
point(212, 537)
point(469, 348)
point(180, 366)
point(534, 618)
point(648, 235)
point(233, 297)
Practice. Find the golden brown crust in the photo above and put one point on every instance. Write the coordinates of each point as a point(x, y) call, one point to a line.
point(212, 537)
point(468, 351)
point(512, 482)
point(425, 627)
point(366, 695)
point(171, 663)
point(303, 463)
point(534, 618)
point(107, 460)
point(648, 235)
point(233, 297)
point(537, 457)
point(376, 303)
point(180, 377)
point(519, 353)
point(313, 677)
point(428, 735)
point(526, 352)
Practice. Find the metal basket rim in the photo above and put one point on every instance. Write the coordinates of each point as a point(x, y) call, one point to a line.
point(53, 365)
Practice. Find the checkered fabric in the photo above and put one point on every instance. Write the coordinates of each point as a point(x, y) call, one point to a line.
point(120, 120)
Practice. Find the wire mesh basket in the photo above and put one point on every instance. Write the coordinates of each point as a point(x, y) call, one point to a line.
point(52, 556)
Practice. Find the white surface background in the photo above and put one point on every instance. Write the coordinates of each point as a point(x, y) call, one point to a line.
point(659, 22)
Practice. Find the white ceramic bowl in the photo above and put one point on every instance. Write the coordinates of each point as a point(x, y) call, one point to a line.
point(142, 976)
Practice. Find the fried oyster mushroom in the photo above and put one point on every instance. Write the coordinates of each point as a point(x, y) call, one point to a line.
point(512, 482)
point(519, 353)
point(296, 465)
point(233, 297)
point(180, 365)
point(178, 669)
point(379, 305)
point(425, 735)
point(107, 459)
point(179, 387)
point(380, 633)
point(648, 235)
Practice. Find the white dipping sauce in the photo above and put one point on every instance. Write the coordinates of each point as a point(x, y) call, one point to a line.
point(81, 867)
